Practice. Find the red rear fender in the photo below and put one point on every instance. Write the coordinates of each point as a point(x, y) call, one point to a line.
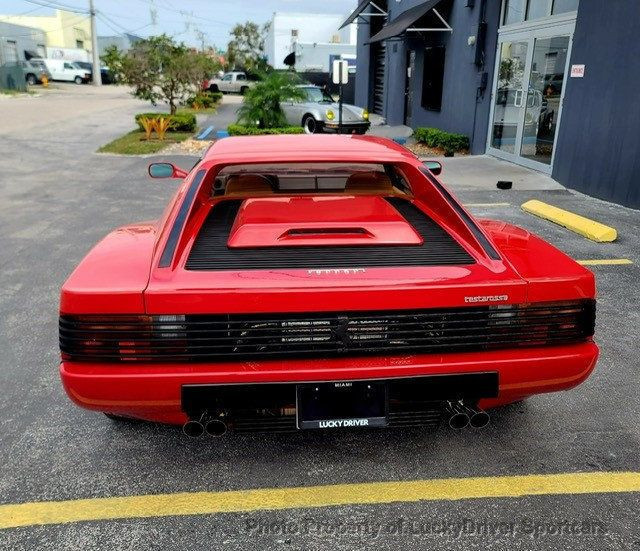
point(113, 275)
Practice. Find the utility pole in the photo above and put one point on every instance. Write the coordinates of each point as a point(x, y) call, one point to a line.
point(97, 75)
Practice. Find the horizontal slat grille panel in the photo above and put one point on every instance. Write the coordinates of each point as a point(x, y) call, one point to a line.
point(210, 251)
point(239, 337)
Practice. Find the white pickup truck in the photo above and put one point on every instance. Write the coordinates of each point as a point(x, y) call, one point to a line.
point(235, 81)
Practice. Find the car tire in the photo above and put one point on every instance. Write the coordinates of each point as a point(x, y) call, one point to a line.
point(310, 125)
point(32, 80)
point(243, 90)
point(213, 88)
point(77, 80)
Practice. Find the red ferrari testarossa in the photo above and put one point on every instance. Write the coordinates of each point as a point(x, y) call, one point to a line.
point(300, 282)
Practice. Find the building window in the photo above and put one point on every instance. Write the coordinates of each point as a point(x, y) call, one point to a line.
point(12, 51)
point(538, 9)
point(513, 11)
point(79, 43)
point(563, 6)
point(433, 78)
point(517, 11)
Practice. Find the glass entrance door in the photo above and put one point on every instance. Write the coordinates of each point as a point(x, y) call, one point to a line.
point(531, 68)
point(509, 96)
point(546, 82)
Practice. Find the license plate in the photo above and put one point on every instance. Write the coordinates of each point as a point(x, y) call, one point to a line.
point(341, 404)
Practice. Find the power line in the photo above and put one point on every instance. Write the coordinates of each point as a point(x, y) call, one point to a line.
point(57, 6)
point(26, 12)
point(184, 13)
point(106, 22)
point(110, 23)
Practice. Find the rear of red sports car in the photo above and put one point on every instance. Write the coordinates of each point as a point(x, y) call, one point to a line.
point(320, 282)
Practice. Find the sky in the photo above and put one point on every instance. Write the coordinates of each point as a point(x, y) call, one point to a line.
point(183, 19)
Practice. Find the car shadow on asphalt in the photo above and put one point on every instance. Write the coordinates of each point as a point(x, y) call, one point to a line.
point(352, 442)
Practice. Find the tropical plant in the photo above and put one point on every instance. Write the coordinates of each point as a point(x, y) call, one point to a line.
point(162, 125)
point(180, 122)
point(149, 126)
point(261, 107)
point(161, 70)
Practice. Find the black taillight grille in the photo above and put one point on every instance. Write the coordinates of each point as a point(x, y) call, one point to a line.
point(240, 337)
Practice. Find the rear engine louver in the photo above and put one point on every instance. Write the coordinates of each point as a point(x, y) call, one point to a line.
point(210, 251)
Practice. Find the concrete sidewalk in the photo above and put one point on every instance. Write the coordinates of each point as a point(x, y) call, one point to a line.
point(474, 171)
point(481, 172)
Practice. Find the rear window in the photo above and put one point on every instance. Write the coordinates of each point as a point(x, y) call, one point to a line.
point(307, 177)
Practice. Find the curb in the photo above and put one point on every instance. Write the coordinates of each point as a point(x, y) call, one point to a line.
point(579, 224)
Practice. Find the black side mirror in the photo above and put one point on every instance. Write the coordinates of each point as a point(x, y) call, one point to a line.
point(434, 167)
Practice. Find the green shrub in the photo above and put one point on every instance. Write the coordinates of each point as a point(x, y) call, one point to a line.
point(261, 105)
point(204, 100)
point(180, 122)
point(240, 130)
point(433, 137)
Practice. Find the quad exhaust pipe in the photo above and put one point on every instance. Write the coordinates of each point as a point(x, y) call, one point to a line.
point(478, 418)
point(195, 428)
point(458, 417)
point(462, 415)
point(215, 428)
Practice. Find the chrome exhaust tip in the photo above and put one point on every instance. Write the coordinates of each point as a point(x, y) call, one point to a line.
point(479, 419)
point(193, 429)
point(459, 418)
point(215, 428)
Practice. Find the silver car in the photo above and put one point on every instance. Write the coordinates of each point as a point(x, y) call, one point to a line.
point(319, 113)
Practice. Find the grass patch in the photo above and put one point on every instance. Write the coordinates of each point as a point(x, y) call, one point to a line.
point(133, 143)
point(11, 92)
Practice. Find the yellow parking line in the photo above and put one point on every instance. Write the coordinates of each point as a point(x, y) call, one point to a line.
point(605, 262)
point(487, 204)
point(579, 224)
point(207, 503)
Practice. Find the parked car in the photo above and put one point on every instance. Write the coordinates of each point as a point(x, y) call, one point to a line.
point(235, 81)
point(320, 113)
point(68, 71)
point(105, 73)
point(300, 282)
point(34, 71)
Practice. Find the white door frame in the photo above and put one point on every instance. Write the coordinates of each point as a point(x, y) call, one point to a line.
point(529, 33)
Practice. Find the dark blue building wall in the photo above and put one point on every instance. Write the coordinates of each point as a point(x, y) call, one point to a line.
point(459, 112)
point(598, 147)
point(363, 74)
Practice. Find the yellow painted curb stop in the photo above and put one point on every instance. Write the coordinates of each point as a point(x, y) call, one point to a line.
point(579, 224)
point(605, 262)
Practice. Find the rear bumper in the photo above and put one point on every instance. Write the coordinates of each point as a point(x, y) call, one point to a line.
point(153, 391)
point(347, 127)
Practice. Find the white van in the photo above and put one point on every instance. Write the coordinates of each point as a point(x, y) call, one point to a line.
point(67, 70)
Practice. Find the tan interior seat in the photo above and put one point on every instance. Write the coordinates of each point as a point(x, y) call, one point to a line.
point(243, 184)
point(359, 183)
point(369, 182)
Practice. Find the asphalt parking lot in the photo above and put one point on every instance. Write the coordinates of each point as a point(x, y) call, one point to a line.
point(58, 198)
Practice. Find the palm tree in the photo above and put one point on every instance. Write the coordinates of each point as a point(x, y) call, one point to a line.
point(261, 105)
